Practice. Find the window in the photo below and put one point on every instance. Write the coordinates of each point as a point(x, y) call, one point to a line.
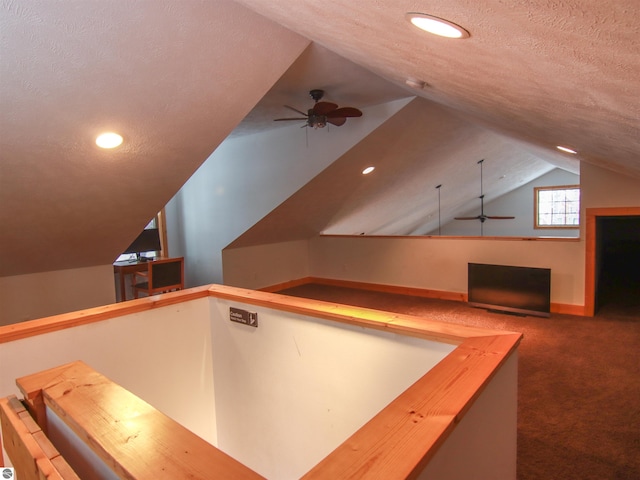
point(557, 207)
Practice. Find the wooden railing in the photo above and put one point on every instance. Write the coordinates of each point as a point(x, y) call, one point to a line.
point(128, 435)
point(31, 452)
point(427, 412)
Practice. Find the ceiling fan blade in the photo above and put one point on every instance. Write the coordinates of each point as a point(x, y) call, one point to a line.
point(338, 121)
point(287, 119)
point(295, 110)
point(493, 217)
point(345, 112)
point(323, 108)
point(468, 218)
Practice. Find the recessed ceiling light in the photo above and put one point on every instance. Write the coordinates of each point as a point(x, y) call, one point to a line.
point(566, 149)
point(368, 170)
point(436, 25)
point(109, 140)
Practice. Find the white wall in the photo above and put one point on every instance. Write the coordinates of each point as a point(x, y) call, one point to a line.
point(486, 437)
point(441, 263)
point(518, 203)
point(291, 390)
point(271, 264)
point(603, 188)
point(36, 295)
point(246, 178)
point(162, 355)
point(418, 262)
point(279, 397)
point(78, 454)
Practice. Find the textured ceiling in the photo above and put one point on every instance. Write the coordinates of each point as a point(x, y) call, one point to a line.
point(174, 77)
point(177, 77)
point(548, 72)
point(419, 147)
point(343, 82)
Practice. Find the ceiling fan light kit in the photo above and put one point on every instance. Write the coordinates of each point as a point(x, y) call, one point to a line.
point(322, 112)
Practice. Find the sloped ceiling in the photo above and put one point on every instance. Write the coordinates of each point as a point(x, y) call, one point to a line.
point(174, 78)
point(343, 82)
point(548, 72)
point(420, 147)
point(178, 77)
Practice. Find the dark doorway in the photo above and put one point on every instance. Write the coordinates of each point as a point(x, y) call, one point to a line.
point(618, 266)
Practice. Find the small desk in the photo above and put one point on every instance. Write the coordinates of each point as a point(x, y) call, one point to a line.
point(127, 267)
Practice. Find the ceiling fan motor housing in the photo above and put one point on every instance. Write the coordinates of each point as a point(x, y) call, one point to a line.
point(316, 94)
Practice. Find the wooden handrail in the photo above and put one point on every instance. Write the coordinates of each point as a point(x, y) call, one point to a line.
point(132, 438)
point(30, 450)
point(330, 311)
point(364, 317)
point(458, 237)
point(427, 411)
point(400, 440)
point(30, 328)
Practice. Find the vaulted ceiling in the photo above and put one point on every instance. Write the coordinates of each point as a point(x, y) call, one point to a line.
point(551, 73)
point(178, 77)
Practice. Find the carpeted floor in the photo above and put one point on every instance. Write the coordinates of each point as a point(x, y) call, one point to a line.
point(579, 382)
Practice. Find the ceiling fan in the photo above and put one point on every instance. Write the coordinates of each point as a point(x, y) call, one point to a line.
point(482, 217)
point(322, 113)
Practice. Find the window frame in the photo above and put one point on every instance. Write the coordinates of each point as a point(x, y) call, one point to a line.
point(537, 190)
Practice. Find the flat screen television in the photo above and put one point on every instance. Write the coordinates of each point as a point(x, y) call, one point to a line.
point(147, 241)
point(519, 290)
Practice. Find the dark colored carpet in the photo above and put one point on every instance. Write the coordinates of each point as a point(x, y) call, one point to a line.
point(579, 381)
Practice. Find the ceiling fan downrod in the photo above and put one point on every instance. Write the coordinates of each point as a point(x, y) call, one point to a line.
point(438, 188)
point(482, 217)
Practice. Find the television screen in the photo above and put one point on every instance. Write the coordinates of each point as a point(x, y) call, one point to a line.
point(523, 290)
point(147, 241)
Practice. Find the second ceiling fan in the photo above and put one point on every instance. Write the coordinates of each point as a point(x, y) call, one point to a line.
point(322, 113)
point(482, 217)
